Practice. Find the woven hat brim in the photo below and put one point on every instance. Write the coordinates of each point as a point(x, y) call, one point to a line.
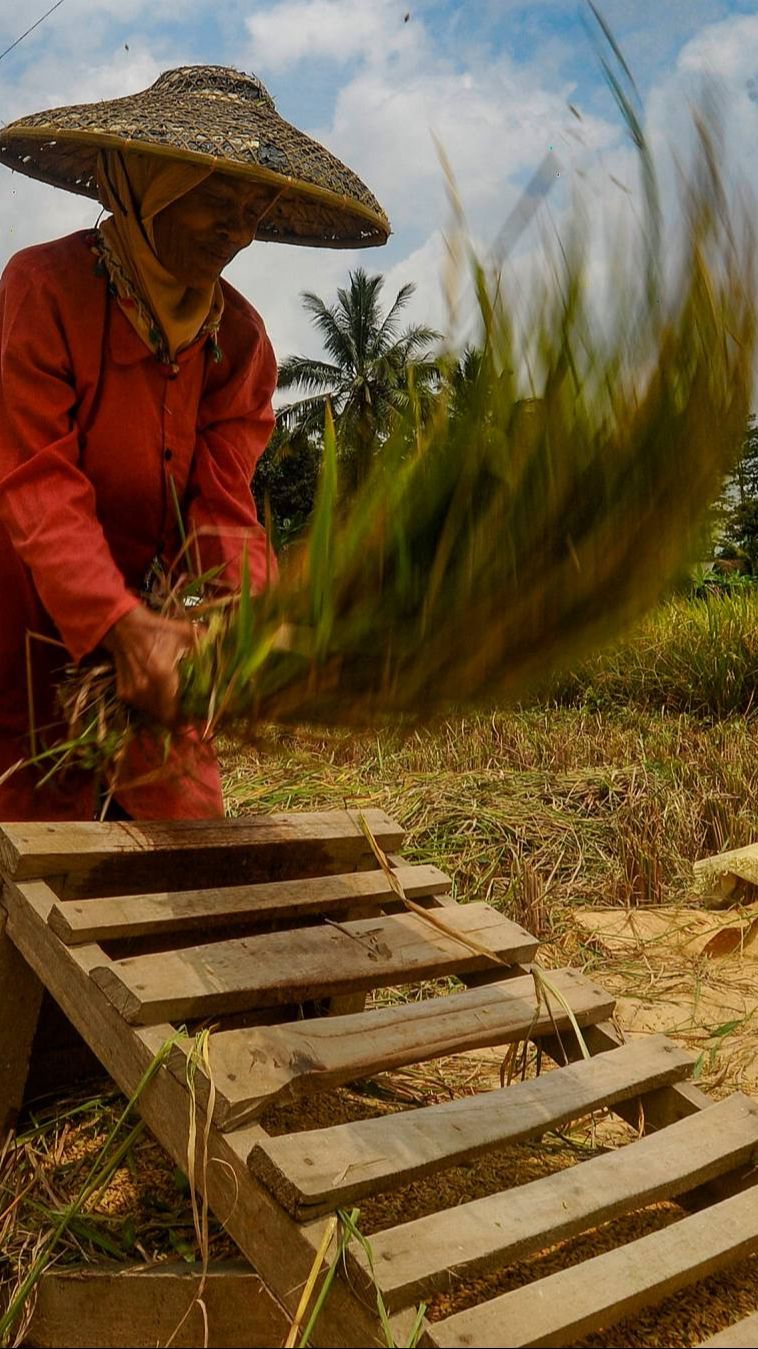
point(322, 203)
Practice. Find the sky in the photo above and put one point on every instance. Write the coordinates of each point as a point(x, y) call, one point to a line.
point(499, 84)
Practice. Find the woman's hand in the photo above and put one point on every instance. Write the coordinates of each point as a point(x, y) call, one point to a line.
point(147, 650)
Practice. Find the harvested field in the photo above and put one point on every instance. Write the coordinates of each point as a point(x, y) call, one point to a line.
point(543, 814)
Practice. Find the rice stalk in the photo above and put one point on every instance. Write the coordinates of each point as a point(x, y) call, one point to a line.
point(198, 1059)
point(490, 548)
point(544, 986)
point(330, 1228)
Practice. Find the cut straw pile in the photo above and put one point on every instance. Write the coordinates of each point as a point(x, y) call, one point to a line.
point(497, 542)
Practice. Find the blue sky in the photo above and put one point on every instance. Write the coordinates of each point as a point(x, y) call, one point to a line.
point(493, 79)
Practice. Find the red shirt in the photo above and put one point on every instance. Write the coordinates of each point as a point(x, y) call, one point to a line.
point(93, 431)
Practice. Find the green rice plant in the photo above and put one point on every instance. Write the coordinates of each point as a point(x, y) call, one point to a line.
point(345, 1226)
point(695, 656)
point(488, 549)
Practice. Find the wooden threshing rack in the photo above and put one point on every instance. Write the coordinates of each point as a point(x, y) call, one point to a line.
point(138, 929)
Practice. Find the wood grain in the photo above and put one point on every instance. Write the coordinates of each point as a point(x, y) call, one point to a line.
point(256, 1067)
point(306, 963)
point(563, 1308)
point(142, 1306)
point(280, 1251)
point(437, 1252)
point(321, 1170)
point(99, 859)
point(253, 905)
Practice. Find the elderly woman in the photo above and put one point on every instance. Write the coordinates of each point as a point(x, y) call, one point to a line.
point(135, 401)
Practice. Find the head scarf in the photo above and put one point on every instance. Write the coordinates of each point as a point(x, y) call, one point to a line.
point(166, 313)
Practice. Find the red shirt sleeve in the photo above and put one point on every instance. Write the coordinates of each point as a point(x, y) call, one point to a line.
point(47, 503)
point(235, 421)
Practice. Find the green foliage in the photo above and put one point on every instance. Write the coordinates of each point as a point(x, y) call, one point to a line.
point(736, 512)
point(285, 483)
point(688, 656)
point(372, 376)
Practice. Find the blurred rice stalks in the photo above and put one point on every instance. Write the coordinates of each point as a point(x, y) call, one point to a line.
point(510, 540)
point(511, 534)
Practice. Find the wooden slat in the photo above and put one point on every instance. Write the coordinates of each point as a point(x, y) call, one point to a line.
point(255, 1067)
point(743, 1335)
point(279, 1250)
point(190, 910)
point(110, 859)
point(304, 963)
point(563, 1308)
point(20, 1001)
point(137, 1307)
point(436, 1252)
point(316, 1171)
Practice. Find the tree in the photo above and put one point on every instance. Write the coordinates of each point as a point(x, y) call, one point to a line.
point(373, 374)
point(285, 482)
point(737, 508)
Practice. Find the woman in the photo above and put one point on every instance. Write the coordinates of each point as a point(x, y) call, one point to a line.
point(135, 401)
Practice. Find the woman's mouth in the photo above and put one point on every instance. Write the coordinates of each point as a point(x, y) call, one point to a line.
point(220, 256)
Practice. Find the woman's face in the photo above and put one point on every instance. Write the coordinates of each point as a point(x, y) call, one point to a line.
point(198, 235)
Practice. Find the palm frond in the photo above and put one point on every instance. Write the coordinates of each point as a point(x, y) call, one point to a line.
point(388, 328)
point(308, 372)
point(331, 327)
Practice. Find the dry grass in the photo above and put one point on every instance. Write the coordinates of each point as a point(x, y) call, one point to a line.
point(533, 811)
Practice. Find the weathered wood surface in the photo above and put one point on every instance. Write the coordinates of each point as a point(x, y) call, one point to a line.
point(564, 1307)
point(439, 1251)
point(141, 1306)
point(280, 1251)
point(20, 1002)
point(298, 965)
point(192, 910)
point(321, 1170)
point(742, 1335)
point(99, 859)
point(254, 1068)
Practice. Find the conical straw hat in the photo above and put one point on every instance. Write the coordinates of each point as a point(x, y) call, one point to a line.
point(208, 115)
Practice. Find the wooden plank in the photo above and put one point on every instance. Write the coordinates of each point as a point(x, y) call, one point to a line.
point(190, 910)
point(20, 1001)
point(297, 965)
point(320, 1170)
point(255, 1067)
point(142, 1306)
point(434, 1253)
point(280, 1251)
point(564, 1307)
point(742, 1335)
point(99, 858)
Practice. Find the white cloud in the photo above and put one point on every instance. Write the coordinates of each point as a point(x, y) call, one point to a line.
point(394, 88)
point(726, 49)
point(330, 30)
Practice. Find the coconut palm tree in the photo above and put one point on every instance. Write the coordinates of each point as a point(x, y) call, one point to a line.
point(372, 373)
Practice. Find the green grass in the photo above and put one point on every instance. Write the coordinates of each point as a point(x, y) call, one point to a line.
point(698, 656)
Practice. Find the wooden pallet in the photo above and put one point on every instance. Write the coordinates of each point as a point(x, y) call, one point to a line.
point(138, 929)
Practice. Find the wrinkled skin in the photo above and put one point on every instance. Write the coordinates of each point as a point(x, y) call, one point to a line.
point(146, 652)
point(195, 238)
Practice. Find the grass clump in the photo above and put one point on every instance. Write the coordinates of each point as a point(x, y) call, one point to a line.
point(694, 656)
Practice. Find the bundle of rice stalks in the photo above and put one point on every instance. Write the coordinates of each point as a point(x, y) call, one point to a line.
point(522, 524)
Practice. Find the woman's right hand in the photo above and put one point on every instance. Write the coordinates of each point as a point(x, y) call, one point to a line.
point(147, 651)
